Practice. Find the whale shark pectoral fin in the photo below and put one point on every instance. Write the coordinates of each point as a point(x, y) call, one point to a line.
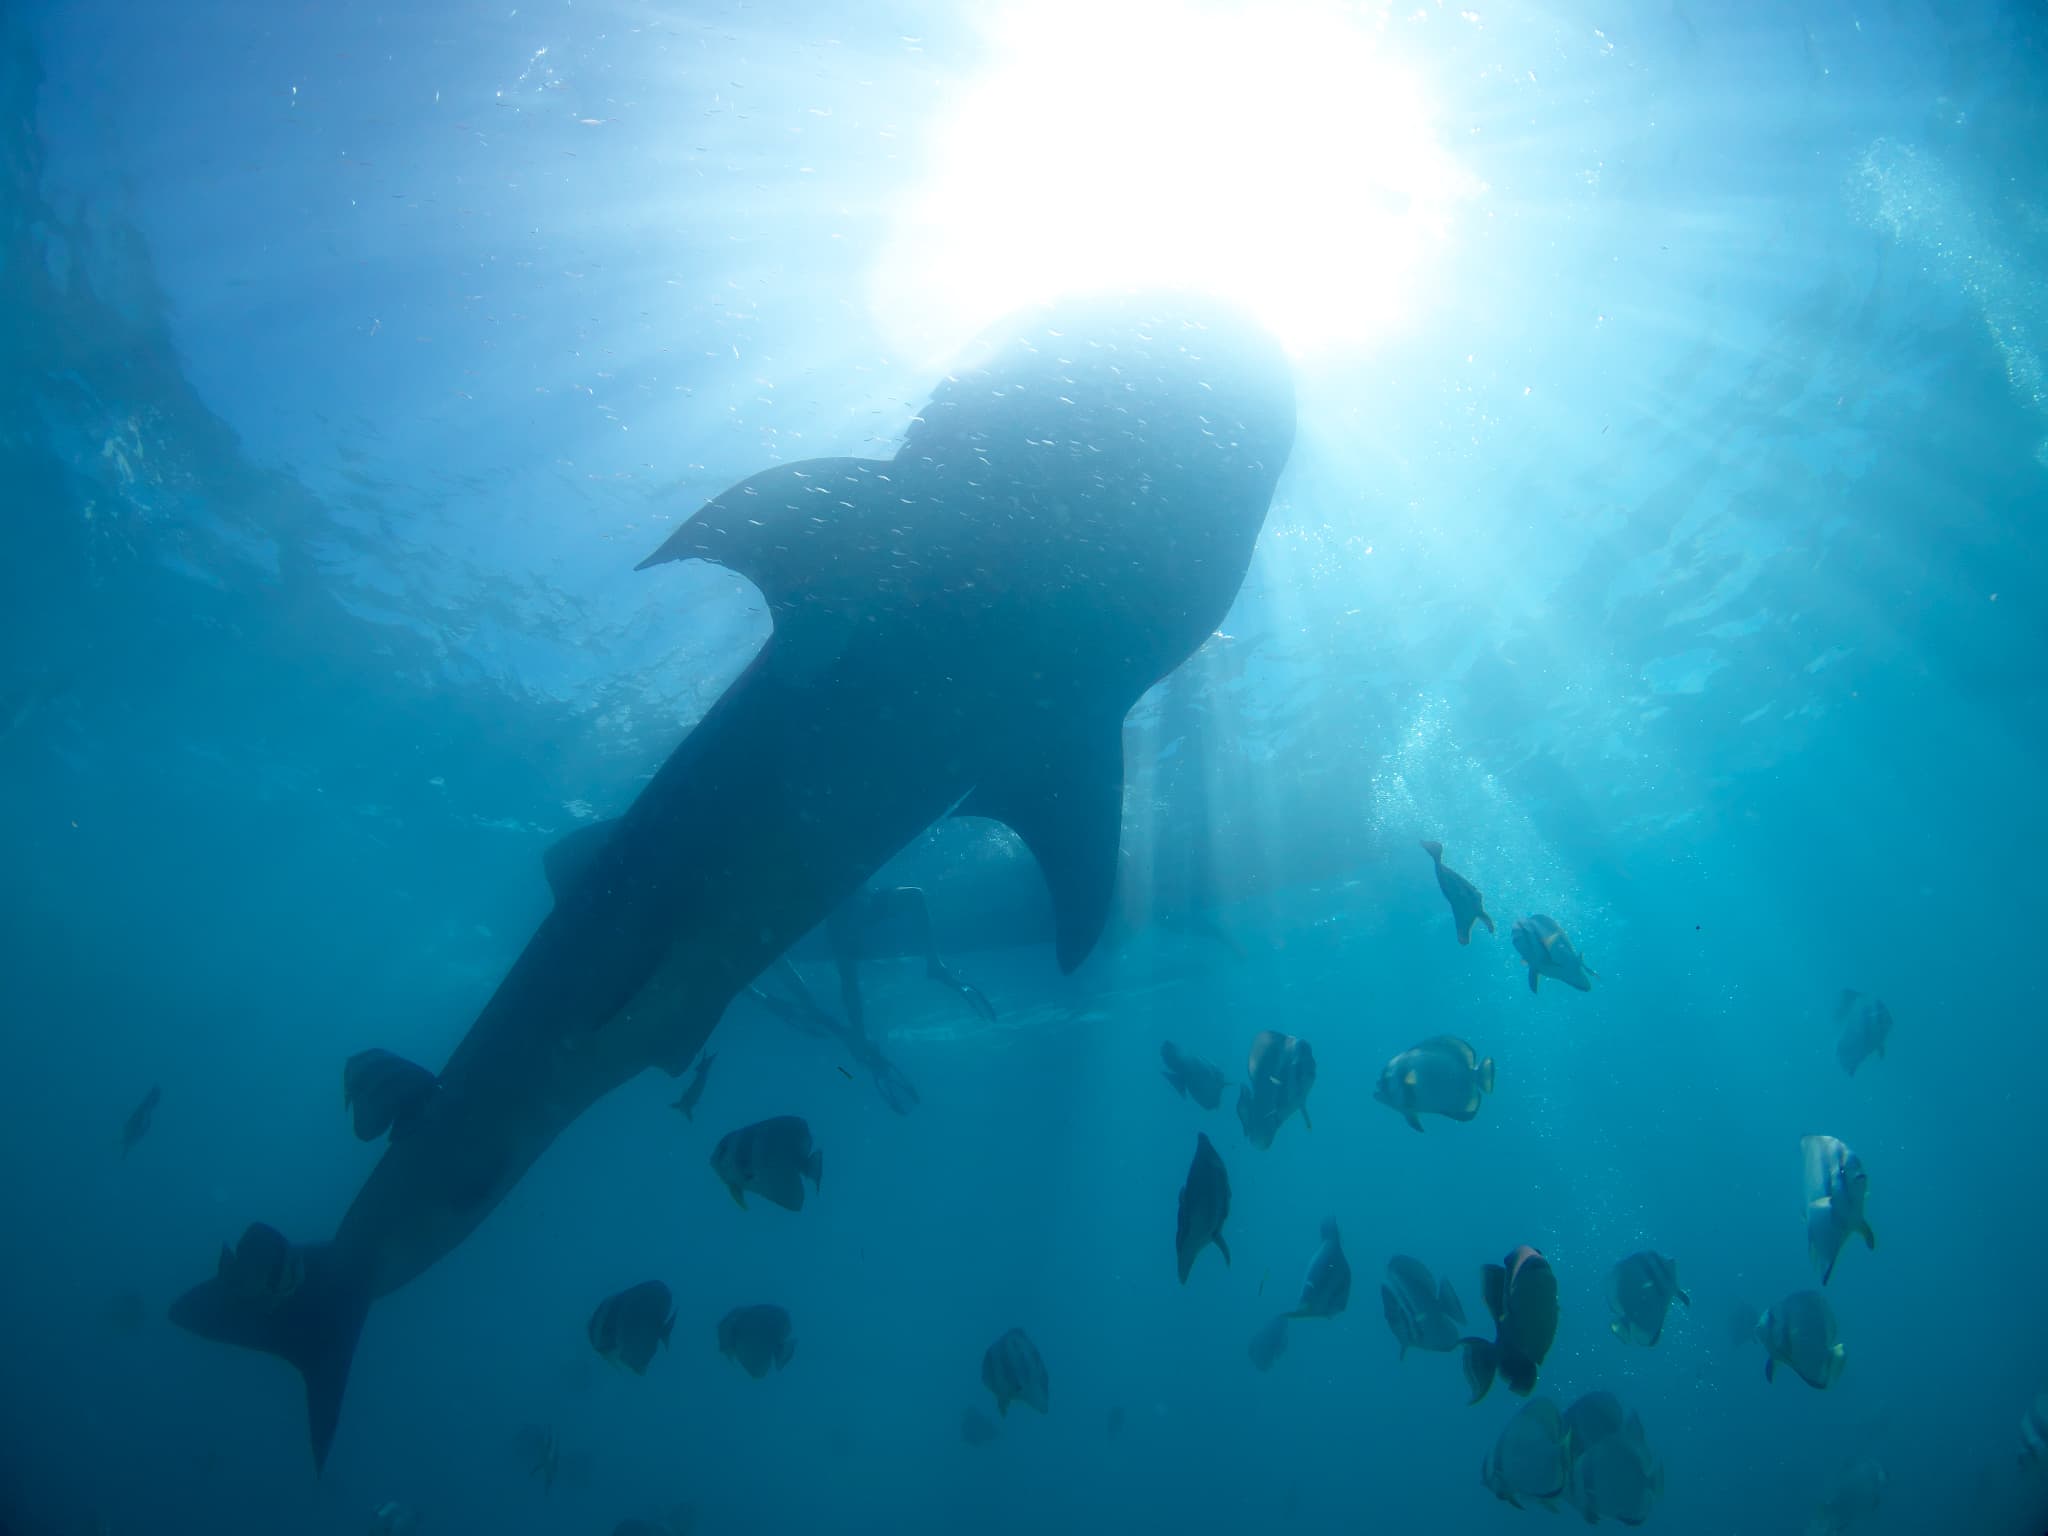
point(569, 857)
point(1068, 808)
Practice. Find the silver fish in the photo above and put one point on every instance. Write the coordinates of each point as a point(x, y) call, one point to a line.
point(757, 1338)
point(1191, 1077)
point(1441, 1076)
point(1281, 1070)
point(1800, 1332)
point(1837, 1190)
point(1422, 1312)
point(1326, 1289)
point(771, 1158)
point(1269, 1343)
point(627, 1328)
point(1204, 1207)
point(1014, 1371)
point(1865, 1024)
point(1547, 952)
point(2034, 1433)
point(385, 1092)
point(1616, 1478)
point(1640, 1290)
point(1529, 1459)
point(1467, 905)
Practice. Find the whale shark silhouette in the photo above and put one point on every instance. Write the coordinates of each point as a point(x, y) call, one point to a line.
point(960, 629)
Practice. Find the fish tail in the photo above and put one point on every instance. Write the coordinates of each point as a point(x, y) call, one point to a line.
point(1486, 1075)
point(1488, 921)
point(1433, 848)
point(1532, 978)
point(1480, 1359)
point(1869, 1237)
point(315, 1327)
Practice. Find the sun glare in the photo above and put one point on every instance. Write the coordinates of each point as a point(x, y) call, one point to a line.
point(1272, 154)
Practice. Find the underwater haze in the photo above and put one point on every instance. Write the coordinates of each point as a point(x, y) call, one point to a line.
point(1657, 528)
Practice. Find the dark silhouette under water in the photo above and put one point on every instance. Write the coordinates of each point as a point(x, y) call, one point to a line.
point(1069, 518)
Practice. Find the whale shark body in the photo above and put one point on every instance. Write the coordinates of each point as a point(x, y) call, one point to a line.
point(960, 629)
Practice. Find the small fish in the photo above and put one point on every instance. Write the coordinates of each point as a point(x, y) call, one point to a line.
point(539, 1453)
point(1441, 1076)
point(1595, 1416)
point(1640, 1290)
point(1616, 1478)
point(694, 1089)
point(1467, 905)
point(758, 1338)
point(1204, 1206)
point(263, 1267)
point(1852, 1497)
point(1837, 1189)
point(1529, 1460)
point(393, 1519)
point(1326, 1289)
point(1013, 1370)
point(1866, 1024)
point(1282, 1070)
point(1547, 952)
point(137, 1125)
point(626, 1328)
point(1269, 1343)
point(771, 1158)
point(1191, 1077)
point(1423, 1313)
point(2034, 1433)
point(1800, 1332)
point(976, 1427)
point(1521, 1295)
point(385, 1092)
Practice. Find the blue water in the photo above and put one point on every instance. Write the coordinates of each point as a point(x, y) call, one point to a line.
point(1672, 556)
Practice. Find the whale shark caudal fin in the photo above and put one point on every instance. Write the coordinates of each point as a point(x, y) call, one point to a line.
point(315, 1327)
point(1067, 804)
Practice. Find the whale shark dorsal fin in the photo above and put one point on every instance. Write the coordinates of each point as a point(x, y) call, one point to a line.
point(785, 527)
point(569, 857)
point(1067, 805)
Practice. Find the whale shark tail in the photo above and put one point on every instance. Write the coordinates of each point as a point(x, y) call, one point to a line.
point(314, 1325)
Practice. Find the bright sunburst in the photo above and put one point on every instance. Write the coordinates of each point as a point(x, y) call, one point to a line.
point(1274, 154)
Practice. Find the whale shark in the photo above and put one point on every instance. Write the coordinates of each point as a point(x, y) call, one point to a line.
point(958, 630)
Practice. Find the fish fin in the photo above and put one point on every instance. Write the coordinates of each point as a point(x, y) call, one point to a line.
point(1413, 1123)
point(668, 1327)
point(815, 1167)
point(785, 1354)
point(570, 857)
point(1486, 1076)
point(1306, 1123)
point(739, 528)
point(1002, 1407)
point(315, 1327)
point(1869, 1237)
point(1222, 1248)
point(1465, 931)
point(1480, 1358)
point(1433, 848)
point(1829, 1273)
point(1493, 1290)
point(1486, 920)
point(1066, 803)
point(1447, 1300)
point(1770, 1365)
point(1532, 978)
point(739, 1196)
